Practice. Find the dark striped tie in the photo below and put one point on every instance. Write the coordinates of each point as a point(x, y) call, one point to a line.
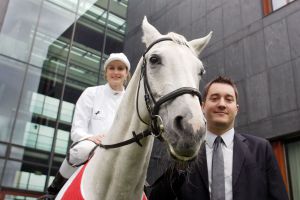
point(218, 181)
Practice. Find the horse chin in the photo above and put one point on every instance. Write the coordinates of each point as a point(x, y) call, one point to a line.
point(181, 158)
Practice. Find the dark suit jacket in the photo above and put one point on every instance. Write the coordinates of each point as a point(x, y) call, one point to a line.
point(255, 175)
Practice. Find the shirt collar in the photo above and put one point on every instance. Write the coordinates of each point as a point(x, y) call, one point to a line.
point(113, 92)
point(227, 137)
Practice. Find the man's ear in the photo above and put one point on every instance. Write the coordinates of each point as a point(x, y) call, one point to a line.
point(237, 107)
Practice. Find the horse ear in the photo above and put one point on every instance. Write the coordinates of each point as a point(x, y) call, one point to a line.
point(200, 43)
point(150, 32)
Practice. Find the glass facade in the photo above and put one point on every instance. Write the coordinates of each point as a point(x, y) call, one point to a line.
point(50, 51)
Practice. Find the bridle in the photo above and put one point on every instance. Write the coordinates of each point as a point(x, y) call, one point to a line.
point(155, 127)
point(153, 105)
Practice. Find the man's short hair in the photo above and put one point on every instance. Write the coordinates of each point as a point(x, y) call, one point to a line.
point(220, 79)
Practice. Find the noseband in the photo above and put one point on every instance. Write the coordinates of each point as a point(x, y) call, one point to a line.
point(153, 105)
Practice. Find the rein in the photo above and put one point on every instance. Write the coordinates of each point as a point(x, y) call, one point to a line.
point(135, 139)
point(156, 127)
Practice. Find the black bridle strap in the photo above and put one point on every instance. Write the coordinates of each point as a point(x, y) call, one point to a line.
point(173, 95)
point(147, 87)
point(136, 138)
point(155, 42)
point(137, 102)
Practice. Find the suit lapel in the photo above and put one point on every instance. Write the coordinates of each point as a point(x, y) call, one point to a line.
point(203, 165)
point(238, 160)
point(238, 157)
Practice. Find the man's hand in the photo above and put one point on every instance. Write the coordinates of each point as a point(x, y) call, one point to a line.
point(96, 138)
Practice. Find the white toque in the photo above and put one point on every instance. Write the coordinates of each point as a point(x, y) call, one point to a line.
point(117, 56)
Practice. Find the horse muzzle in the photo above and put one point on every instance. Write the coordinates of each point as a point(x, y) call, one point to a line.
point(183, 141)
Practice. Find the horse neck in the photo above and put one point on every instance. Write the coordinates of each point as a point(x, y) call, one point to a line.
point(120, 173)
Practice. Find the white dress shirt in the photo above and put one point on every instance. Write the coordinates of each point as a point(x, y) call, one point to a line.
point(227, 148)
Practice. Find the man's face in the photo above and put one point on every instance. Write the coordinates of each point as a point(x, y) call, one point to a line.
point(220, 108)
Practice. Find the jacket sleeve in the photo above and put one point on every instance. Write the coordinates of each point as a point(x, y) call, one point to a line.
point(168, 185)
point(82, 115)
point(276, 186)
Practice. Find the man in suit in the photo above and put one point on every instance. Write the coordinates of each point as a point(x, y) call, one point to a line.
point(246, 164)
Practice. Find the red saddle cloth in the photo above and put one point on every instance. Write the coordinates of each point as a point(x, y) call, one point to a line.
point(144, 197)
point(73, 192)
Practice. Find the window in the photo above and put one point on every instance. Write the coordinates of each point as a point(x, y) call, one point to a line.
point(271, 5)
point(293, 159)
point(278, 149)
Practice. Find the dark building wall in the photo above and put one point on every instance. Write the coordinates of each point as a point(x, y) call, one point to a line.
point(262, 54)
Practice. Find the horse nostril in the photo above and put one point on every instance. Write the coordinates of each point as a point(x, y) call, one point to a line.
point(178, 122)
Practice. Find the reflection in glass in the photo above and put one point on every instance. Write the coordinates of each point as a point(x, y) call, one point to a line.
point(22, 177)
point(18, 28)
point(2, 150)
point(68, 4)
point(16, 153)
point(44, 138)
point(10, 171)
point(66, 113)
point(1, 165)
point(11, 77)
point(48, 107)
point(48, 31)
point(14, 197)
point(62, 140)
point(24, 115)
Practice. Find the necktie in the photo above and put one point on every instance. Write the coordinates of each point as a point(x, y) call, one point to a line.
point(218, 181)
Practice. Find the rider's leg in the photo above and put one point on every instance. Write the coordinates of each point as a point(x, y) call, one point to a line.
point(78, 154)
point(64, 173)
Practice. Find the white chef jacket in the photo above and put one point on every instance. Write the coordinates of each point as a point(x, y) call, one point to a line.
point(95, 111)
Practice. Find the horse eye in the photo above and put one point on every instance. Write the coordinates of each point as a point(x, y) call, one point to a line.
point(154, 59)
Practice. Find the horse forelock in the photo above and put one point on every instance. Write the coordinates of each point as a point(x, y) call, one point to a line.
point(180, 39)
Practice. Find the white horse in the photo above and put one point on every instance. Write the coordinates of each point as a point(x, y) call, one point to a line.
point(168, 74)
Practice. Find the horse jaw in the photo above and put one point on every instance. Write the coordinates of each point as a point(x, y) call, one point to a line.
point(150, 32)
point(199, 44)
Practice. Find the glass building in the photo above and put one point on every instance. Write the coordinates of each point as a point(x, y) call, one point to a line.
point(50, 51)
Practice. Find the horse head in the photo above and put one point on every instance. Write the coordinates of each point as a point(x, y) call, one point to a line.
point(172, 71)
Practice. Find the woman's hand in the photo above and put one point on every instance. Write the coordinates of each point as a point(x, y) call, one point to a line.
point(96, 138)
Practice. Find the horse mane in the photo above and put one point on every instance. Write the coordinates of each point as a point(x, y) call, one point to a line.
point(180, 39)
